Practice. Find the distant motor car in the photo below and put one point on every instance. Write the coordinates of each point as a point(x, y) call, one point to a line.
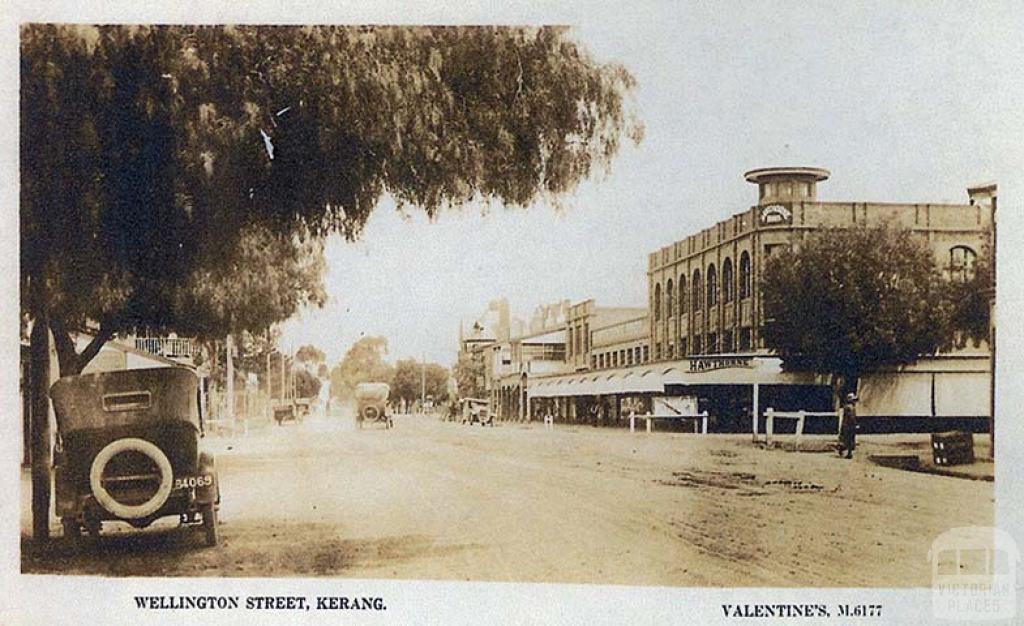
point(128, 450)
point(372, 404)
point(291, 409)
point(477, 411)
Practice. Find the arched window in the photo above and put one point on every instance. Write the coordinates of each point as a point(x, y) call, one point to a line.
point(962, 261)
point(669, 299)
point(727, 283)
point(657, 302)
point(712, 286)
point(682, 294)
point(744, 275)
point(695, 289)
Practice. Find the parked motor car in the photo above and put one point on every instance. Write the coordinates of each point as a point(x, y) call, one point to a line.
point(128, 450)
point(477, 411)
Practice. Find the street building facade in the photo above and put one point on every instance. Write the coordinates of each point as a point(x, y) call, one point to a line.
point(698, 342)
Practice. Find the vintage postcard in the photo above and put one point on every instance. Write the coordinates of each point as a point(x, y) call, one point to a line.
point(674, 312)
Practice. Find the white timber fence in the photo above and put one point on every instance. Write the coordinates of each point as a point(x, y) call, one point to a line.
point(700, 420)
point(770, 415)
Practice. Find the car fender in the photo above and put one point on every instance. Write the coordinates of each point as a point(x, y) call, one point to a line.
point(208, 493)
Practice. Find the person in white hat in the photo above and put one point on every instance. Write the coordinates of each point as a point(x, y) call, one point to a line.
point(848, 426)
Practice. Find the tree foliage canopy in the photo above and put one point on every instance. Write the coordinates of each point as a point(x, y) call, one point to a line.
point(969, 301)
point(849, 300)
point(306, 384)
point(410, 375)
point(310, 354)
point(362, 363)
point(153, 157)
point(469, 375)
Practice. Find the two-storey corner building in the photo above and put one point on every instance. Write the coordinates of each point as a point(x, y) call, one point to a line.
point(703, 290)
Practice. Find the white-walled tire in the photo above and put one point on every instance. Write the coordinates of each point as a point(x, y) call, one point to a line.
point(131, 511)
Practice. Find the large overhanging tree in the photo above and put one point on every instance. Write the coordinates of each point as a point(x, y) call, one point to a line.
point(846, 301)
point(147, 152)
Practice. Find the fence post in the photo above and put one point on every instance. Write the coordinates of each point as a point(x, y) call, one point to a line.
point(632, 421)
point(649, 423)
point(769, 425)
point(800, 427)
point(754, 410)
point(704, 416)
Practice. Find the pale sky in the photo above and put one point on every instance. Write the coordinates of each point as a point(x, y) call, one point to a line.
point(901, 103)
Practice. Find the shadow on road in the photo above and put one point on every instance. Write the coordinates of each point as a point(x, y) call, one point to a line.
point(275, 549)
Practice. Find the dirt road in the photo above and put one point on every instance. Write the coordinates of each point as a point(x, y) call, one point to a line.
point(433, 500)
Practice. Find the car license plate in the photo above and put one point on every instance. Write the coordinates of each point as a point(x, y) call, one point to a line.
point(192, 482)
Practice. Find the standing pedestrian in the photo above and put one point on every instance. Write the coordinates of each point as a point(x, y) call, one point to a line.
point(848, 427)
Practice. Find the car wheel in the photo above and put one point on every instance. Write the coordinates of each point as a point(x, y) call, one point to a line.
point(131, 511)
point(93, 527)
point(72, 529)
point(209, 513)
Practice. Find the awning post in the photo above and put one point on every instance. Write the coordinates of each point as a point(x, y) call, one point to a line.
point(754, 412)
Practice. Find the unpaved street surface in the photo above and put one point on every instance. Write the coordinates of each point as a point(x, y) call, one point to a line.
point(436, 500)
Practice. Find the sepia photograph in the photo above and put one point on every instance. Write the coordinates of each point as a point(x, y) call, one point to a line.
point(693, 302)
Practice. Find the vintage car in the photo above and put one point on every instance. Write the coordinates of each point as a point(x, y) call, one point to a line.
point(372, 404)
point(128, 450)
point(477, 411)
point(291, 410)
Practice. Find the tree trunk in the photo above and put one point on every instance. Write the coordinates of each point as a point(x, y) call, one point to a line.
point(42, 453)
point(229, 382)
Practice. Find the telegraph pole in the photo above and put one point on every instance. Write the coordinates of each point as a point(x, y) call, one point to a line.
point(423, 383)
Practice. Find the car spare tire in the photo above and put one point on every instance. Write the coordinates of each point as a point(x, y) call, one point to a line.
point(371, 413)
point(152, 498)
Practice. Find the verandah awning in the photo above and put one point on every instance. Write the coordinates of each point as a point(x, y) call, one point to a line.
point(654, 377)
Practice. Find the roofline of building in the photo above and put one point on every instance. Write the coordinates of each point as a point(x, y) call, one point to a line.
point(989, 186)
point(522, 338)
point(762, 174)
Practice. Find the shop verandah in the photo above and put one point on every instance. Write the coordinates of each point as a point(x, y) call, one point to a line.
point(730, 388)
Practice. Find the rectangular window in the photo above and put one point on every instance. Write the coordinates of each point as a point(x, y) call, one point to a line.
point(712, 343)
point(744, 339)
point(647, 354)
point(657, 351)
point(727, 344)
point(682, 346)
point(697, 347)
